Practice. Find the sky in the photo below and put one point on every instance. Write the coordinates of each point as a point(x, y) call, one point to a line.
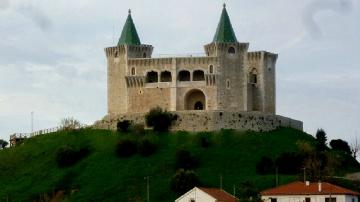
point(52, 59)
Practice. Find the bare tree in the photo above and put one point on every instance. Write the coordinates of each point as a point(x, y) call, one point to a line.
point(355, 147)
point(70, 123)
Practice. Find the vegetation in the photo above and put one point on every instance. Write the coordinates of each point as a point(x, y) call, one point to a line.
point(160, 120)
point(68, 155)
point(3, 144)
point(183, 181)
point(126, 148)
point(340, 145)
point(70, 123)
point(123, 126)
point(102, 175)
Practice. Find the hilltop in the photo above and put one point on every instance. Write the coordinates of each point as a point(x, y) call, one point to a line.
point(30, 172)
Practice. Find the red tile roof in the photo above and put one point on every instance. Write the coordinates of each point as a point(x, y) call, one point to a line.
point(220, 195)
point(300, 188)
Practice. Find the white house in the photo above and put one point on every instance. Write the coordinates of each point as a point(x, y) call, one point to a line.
point(199, 194)
point(309, 192)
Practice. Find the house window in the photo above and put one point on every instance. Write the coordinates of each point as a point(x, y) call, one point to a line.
point(184, 75)
point(211, 69)
point(198, 75)
point(328, 199)
point(192, 200)
point(307, 199)
point(152, 77)
point(133, 71)
point(273, 200)
point(231, 50)
point(165, 76)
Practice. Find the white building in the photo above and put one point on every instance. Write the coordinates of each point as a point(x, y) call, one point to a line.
point(199, 194)
point(309, 192)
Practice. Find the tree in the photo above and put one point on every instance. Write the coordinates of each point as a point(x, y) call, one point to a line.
point(183, 181)
point(355, 148)
point(249, 192)
point(70, 124)
point(340, 145)
point(123, 126)
point(160, 120)
point(3, 144)
point(321, 139)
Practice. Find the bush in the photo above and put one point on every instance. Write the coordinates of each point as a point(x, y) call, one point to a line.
point(340, 145)
point(123, 126)
point(138, 129)
point(265, 166)
point(183, 181)
point(68, 155)
point(70, 124)
point(185, 160)
point(160, 120)
point(204, 140)
point(289, 163)
point(146, 147)
point(3, 144)
point(126, 148)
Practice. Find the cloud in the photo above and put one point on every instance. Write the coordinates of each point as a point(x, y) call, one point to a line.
point(4, 4)
point(316, 6)
point(36, 15)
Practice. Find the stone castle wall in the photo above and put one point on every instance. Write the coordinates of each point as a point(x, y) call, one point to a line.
point(211, 121)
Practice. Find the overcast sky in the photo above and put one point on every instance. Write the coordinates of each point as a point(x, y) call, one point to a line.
point(52, 57)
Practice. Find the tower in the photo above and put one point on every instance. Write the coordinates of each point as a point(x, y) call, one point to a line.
point(232, 60)
point(129, 46)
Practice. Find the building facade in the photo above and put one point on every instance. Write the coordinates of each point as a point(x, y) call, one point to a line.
point(199, 194)
point(227, 78)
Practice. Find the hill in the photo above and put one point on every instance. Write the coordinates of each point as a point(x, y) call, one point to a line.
point(30, 172)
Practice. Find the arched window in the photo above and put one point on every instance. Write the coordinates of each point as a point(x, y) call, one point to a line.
point(198, 75)
point(133, 71)
point(144, 55)
point(211, 69)
point(165, 76)
point(184, 75)
point(152, 77)
point(231, 50)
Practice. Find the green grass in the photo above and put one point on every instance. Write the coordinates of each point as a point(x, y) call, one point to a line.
point(30, 170)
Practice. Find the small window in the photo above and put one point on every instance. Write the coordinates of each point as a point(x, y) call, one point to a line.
point(116, 54)
point(253, 78)
point(198, 75)
point(307, 199)
point(165, 76)
point(231, 50)
point(328, 199)
point(211, 69)
point(273, 200)
point(353, 200)
point(144, 55)
point(133, 71)
point(192, 200)
point(184, 75)
point(152, 77)
point(228, 84)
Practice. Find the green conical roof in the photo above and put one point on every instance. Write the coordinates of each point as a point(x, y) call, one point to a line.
point(129, 34)
point(224, 32)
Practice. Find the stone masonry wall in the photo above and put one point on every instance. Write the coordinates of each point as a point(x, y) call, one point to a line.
point(212, 121)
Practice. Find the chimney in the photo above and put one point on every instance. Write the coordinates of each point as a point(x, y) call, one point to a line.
point(307, 183)
point(319, 185)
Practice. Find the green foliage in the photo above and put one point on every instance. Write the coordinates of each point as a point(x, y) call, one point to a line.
point(183, 181)
point(340, 145)
point(160, 120)
point(249, 192)
point(102, 175)
point(289, 163)
point(185, 160)
point(265, 166)
point(3, 144)
point(126, 148)
point(123, 126)
point(321, 139)
point(68, 155)
point(205, 139)
point(146, 147)
point(138, 129)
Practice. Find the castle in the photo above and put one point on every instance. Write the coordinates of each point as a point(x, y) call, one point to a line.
point(222, 89)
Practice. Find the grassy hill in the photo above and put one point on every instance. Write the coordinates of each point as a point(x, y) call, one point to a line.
point(29, 171)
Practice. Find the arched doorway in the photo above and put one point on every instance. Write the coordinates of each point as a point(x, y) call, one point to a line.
point(195, 100)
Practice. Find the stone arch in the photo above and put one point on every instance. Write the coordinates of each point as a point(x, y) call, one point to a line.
point(195, 100)
point(198, 75)
point(231, 50)
point(184, 75)
point(152, 77)
point(165, 76)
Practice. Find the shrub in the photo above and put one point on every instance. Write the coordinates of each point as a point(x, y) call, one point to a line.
point(138, 129)
point(68, 155)
point(289, 163)
point(265, 166)
point(183, 181)
point(146, 147)
point(70, 124)
point(3, 144)
point(126, 148)
point(204, 140)
point(160, 120)
point(340, 145)
point(185, 160)
point(249, 192)
point(123, 126)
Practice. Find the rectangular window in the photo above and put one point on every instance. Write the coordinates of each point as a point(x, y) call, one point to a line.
point(273, 200)
point(307, 199)
point(353, 200)
point(192, 200)
point(332, 199)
